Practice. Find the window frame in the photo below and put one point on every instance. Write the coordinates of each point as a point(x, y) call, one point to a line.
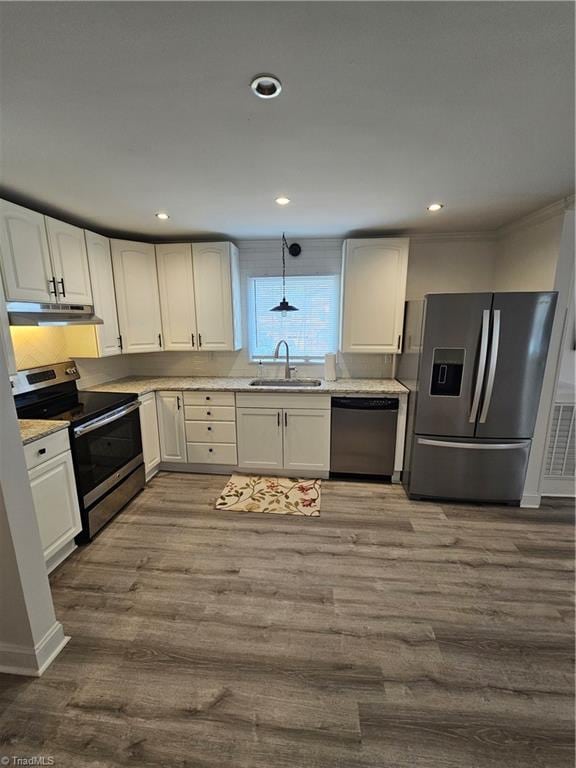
point(253, 357)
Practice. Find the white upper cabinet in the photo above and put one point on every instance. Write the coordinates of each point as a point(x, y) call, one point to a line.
point(102, 279)
point(69, 261)
point(373, 294)
point(217, 290)
point(176, 284)
point(25, 258)
point(5, 337)
point(137, 296)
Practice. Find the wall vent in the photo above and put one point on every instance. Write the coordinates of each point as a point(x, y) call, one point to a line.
point(560, 454)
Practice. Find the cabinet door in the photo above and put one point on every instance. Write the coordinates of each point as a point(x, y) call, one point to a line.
point(70, 261)
point(259, 438)
point(171, 426)
point(176, 284)
point(55, 502)
point(102, 279)
point(25, 258)
point(306, 440)
point(5, 336)
point(137, 296)
point(373, 294)
point(213, 282)
point(150, 434)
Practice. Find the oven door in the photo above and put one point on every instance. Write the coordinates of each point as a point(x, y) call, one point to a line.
point(106, 451)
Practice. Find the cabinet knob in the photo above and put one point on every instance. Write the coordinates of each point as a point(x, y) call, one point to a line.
point(208, 397)
point(41, 451)
point(208, 413)
point(209, 429)
point(210, 450)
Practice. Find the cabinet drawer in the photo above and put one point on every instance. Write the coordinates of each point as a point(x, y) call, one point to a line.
point(210, 432)
point(212, 453)
point(46, 448)
point(209, 398)
point(209, 413)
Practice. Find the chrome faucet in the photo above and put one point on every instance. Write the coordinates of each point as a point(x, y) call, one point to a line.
point(277, 354)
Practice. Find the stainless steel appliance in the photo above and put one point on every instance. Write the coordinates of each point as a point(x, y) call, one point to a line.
point(363, 435)
point(474, 403)
point(105, 438)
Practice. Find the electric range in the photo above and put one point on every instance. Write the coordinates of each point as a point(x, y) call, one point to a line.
point(105, 438)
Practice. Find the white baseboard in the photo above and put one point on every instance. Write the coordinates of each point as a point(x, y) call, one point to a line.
point(22, 660)
point(558, 486)
point(531, 501)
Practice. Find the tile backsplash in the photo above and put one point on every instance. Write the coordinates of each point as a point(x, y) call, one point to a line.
point(34, 347)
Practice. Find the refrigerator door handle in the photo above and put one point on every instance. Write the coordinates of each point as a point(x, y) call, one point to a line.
point(474, 446)
point(481, 366)
point(492, 366)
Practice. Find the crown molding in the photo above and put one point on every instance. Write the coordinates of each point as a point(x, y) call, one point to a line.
point(537, 217)
point(423, 237)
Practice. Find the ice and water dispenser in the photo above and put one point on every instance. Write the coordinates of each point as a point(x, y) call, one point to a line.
point(447, 371)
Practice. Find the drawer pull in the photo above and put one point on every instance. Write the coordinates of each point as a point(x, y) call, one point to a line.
point(209, 429)
point(210, 450)
point(208, 397)
point(208, 413)
point(41, 451)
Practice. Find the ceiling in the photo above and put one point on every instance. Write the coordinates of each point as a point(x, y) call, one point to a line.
point(112, 111)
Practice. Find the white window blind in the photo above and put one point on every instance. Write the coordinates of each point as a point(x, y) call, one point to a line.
point(311, 332)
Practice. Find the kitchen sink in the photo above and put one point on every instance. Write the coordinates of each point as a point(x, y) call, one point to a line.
point(285, 383)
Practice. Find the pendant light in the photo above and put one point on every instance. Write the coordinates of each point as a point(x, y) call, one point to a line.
point(284, 307)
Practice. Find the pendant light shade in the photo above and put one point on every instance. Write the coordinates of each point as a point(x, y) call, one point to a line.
point(284, 306)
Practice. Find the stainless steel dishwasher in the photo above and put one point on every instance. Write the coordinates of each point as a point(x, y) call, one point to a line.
point(363, 438)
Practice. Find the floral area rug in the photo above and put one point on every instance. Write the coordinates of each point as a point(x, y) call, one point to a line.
point(277, 495)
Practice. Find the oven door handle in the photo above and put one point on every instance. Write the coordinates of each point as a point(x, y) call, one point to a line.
point(108, 419)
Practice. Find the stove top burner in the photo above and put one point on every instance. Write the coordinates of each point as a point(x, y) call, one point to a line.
point(49, 393)
point(78, 407)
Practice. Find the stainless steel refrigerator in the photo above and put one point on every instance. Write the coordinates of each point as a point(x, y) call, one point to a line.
point(475, 398)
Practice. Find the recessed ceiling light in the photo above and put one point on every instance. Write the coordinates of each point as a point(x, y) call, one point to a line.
point(435, 207)
point(266, 86)
point(282, 200)
point(162, 215)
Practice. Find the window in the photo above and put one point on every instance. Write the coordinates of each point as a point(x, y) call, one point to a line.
point(310, 332)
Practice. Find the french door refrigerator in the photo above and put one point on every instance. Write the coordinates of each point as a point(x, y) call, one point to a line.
point(480, 375)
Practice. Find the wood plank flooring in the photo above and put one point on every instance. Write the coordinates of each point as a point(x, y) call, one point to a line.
point(384, 634)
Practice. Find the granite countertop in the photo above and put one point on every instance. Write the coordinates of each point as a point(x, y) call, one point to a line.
point(141, 385)
point(34, 429)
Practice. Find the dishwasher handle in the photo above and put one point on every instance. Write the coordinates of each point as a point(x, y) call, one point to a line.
point(365, 403)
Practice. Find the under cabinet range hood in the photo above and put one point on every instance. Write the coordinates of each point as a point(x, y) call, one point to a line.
point(31, 313)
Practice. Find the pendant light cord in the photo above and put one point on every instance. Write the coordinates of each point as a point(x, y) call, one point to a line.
point(284, 246)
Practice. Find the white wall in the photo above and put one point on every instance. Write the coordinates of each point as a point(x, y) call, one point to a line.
point(450, 264)
point(527, 253)
point(30, 635)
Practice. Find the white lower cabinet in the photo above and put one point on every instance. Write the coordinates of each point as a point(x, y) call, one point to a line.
point(55, 501)
point(284, 436)
point(210, 423)
point(306, 440)
point(150, 434)
point(170, 408)
point(260, 438)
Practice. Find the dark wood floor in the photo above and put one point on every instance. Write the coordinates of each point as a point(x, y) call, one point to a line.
point(385, 634)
